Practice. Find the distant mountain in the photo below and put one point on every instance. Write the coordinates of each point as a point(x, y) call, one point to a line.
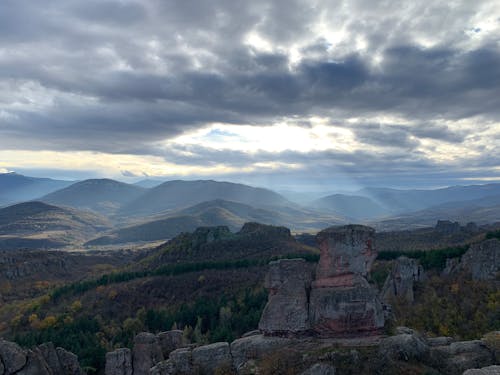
point(352, 206)
point(147, 183)
point(16, 188)
point(215, 213)
point(179, 194)
point(40, 225)
point(399, 201)
point(100, 195)
point(481, 211)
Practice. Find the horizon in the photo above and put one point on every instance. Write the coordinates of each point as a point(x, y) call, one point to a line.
point(289, 95)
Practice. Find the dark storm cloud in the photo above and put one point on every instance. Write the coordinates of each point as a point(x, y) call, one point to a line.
point(116, 76)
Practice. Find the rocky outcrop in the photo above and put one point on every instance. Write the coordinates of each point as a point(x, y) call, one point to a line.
point(171, 340)
point(482, 260)
point(490, 370)
point(447, 227)
point(286, 311)
point(146, 353)
point(119, 362)
point(404, 347)
point(460, 356)
point(342, 301)
point(41, 360)
point(253, 347)
point(208, 358)
point(399, 283)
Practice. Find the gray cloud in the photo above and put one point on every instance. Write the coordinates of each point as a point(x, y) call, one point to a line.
point(116, 76)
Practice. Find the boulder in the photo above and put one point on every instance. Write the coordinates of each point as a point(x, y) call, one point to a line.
point(254, 347)
point(181, 360)
point(490, 370)
point(171, 340)
point(439, 341)
point(12, 356)
point(452, 266)
point(119, 362)
point(207, 358)
point(146, 353)
point(482, 260)
point(460, 356)
point(404, 347)
point(320, 369)
point(399, 283)
point(286, 311)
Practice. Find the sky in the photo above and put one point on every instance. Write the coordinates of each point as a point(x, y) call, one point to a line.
point(295, 95)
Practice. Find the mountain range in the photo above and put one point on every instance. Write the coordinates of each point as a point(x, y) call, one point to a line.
point(130, 212)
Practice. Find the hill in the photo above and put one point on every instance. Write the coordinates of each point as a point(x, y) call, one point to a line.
point(214, 213)
point(399, 201)
point(351, 206)
point(18, 188)
point(180, 194)
point(100, 195)
point(40, 225)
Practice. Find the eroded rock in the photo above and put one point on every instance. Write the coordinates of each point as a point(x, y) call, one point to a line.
point(483, 260)
point(490, 370)
point(286, 311)
point(119, 362)
point(12, 356)
point(404, 347)
point(146, 353)
point(181, 359)
point(399, 283)
point(255, 347)
point(320, 369)
point(207, 358)
point(171, 340)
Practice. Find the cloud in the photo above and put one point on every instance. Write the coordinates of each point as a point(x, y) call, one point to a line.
point(123, 77)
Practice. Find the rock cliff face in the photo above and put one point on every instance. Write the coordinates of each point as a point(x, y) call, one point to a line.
point(42, 360)
point(288, 282)
point(342, 301)
point(483, 260)
point(338, 301)
point(399, 283)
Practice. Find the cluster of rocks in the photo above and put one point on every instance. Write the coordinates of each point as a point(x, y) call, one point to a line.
point(168, 353)
point(44, 359)
point(482, 261)
point(453, 227)
point(338, 300)
point(440, 353)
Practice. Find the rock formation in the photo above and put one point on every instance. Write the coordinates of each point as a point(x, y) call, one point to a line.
point(482, 260)
point(119, 362)
point(341, 300)
point(489, 370)
point(399, 282)
point(447, 227)
point(146, 353)
point(288, 282)
point(42, 360)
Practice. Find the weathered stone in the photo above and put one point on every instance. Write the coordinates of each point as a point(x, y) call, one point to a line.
point(345, 310)
point(163, 368)
point(286, 311)
point(452, 266)
point(69, 362)
point(171, 340)
point(460, 356)
point(35, 365)
point(146, 353)
point(404, 347)
point(400, 330)
point(490, 370)
point(345, 250)
point(208, 358)
point(255, 347)
point(2, 369)
point(182, 360)
point(439, 341)
point(483, 260)
point(320, 369)
point(49, 353)
point(12, 356)
point(119, 362)
point(399, 282)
